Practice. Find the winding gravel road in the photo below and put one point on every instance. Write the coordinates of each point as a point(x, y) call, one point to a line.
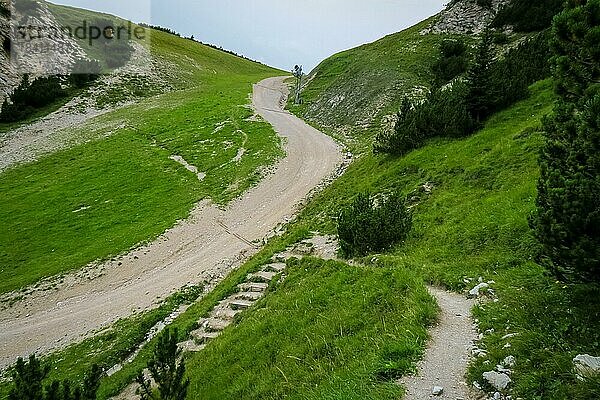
point(206, 247)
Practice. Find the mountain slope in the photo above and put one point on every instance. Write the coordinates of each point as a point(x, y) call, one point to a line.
point(470, 224)
point(471, 199)
point(102, 185)
point(336, 331)
point(357, 93)
point(351, 92)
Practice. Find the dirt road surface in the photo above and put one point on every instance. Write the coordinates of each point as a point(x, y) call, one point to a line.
point(206, 247)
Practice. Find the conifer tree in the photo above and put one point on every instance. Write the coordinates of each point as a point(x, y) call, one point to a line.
point(28, 377)
point(165, 370)
point(480, 95)
point(567, 221)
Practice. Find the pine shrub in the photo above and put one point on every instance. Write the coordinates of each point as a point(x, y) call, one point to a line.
point(452, 62)
point(567, 220)
point(368, 226)
point(28, 97)
point(528, 15)
point(28, 383)
point(166, 370)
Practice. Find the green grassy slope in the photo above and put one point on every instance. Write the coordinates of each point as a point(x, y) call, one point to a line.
point(309, 337)
point(350, 92)
point(329, 331)
point(473, 224)
point(101, 198)
point(335, 331)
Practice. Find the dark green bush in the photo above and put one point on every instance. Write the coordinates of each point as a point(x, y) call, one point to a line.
point(528, 15)
point(501, 38)
point(453, 61)
point(28, 383)
point(368, 226)
point(6, 44)
point(457, 111)
point(484, 3)
point(28, 97)
point(167, 370)
point(4, 10)
point(443, 113)
point(567, 220)
point(522, 66)
point(41, 92)
point(480, 88)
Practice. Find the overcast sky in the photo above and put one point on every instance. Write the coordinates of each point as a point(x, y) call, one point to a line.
point(280, 33)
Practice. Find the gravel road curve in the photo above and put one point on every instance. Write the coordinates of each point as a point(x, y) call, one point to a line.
point(206, 247)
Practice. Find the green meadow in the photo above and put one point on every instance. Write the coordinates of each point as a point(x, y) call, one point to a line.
point(120, 188)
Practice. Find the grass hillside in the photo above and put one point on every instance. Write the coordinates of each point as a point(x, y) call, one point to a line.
point(473, 224)
point(350, 93)
point(333, 331)
point(120, 187)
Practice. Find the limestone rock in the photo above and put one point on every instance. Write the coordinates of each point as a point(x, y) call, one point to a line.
point(473, 293)
point(464, 17)
point(58, 55)
point(498, 380)
point(586, 366)
point(509, 362)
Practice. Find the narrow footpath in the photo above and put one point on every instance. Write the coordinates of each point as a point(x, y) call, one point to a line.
point(447, 355)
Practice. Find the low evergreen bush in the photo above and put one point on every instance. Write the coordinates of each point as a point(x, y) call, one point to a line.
point(28, 97)
point(372, 226)
point(528, 15)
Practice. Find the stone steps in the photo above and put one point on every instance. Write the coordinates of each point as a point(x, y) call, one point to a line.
point(224, 313)
point(216, 324)
point(250, 296)
point(201, 336)
point(240, 304)
point(276, 267)
point(262, 276)
point(254, 286)
point(191, 346)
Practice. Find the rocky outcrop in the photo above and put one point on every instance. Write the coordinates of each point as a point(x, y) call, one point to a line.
point(497, 380)
point(9, 79)
point(49, 55)
point(465, 17)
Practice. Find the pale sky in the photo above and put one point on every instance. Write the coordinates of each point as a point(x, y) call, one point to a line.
point(280, 33)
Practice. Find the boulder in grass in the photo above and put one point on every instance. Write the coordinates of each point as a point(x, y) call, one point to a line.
point(499, 381)
point(475, 292)
point(586, 366)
